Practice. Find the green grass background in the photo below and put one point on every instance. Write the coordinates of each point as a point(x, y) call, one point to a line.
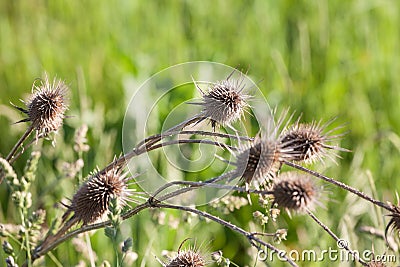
point(320, 58)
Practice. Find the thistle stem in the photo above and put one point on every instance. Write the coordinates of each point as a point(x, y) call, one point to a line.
point(340, 184)
point(157, 137)
point(19, 143)
point(15, 148)
point(251, 237)
point(52, 242)
point(340, 242)
point(121, 161)
point(33, 141)
point(211, 183)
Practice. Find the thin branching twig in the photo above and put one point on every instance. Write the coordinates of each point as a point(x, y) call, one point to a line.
point(340, 184)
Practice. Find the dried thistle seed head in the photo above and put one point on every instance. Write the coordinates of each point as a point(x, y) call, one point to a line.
point(47, 106)
point(224, 102)
point(260, 162)
point(90, 203)
point(295, 191)
point(394, 223)
point(310, 142)
point(190, 257)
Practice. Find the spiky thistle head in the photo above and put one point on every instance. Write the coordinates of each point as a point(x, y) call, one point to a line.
point(295, 191)
point(47, 105)
point(190, 257)
point(223, 102)
point(187, 258)
point(259, 162)
point(394, 222)
point(309, 142)
point(90, 203)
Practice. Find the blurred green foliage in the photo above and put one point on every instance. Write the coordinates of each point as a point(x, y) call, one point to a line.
point(320, 58)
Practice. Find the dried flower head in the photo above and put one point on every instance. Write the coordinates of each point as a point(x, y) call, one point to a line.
point(190, 257)
point(90, 203)
point(295, 191)
point(260, 162)
point(187, 258)
point(262, 159)
point(47, 106)
point(224, 102)
point(310, 142)
point(394, 222)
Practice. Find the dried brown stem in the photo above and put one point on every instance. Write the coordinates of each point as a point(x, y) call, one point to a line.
point(33, 141)
point(177, 128)
point(121, 161)
point(215, 134)
point(340, 242)
point(211, 183)
point(250, 236)
point(54, 242)
point(340, 184)
point(19, 143)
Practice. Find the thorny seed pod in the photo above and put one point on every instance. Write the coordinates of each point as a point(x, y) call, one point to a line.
point(47, 106)
point(224, 102)
point(190, 257)
point(187, 258)
point(310, 142)
point(90, 203)
point(261, 160)
point(394, 222)
point(295, 191)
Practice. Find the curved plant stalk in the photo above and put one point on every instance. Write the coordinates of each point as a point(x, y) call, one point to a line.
point(253, 240)
point(342, 185)
point(340, 242)
point(53, 240)
point(19, 143)
point(43, 249)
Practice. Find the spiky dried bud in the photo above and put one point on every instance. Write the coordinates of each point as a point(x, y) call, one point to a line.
point(224, 102)
point(295, 191)
point(394, 222)
point(310, 142)
point(187, 258)
point(92, 199)
point(191, 257)
point(260, 161)
point(47, 106)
